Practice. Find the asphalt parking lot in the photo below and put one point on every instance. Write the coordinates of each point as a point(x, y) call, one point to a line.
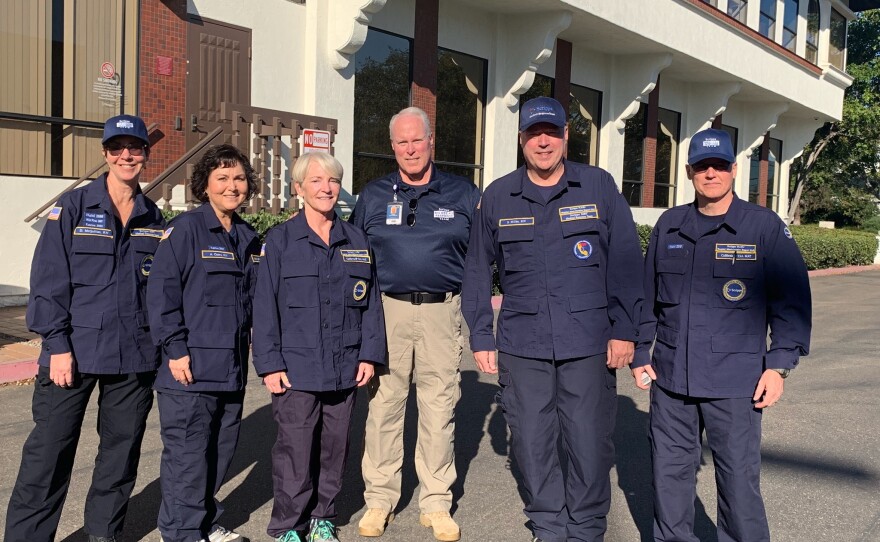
point(821, 450)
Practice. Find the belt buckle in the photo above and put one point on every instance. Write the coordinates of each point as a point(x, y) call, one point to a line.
point(416, 298)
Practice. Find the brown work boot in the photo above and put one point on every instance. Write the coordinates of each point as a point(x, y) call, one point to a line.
point(374, 521)
point(445, 528)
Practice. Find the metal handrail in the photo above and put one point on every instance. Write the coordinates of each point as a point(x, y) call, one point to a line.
point(170, 170)
point(76, 183)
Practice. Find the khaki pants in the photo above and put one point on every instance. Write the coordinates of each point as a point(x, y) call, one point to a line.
point(425, 343)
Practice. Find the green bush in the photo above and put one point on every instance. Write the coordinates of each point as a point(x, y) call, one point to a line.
point(261, 221)
point(644, 232)
point(823, 248)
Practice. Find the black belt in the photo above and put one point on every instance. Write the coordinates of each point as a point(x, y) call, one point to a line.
point(417, 298)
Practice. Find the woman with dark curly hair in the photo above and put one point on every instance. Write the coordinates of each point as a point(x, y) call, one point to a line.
point(199, 297)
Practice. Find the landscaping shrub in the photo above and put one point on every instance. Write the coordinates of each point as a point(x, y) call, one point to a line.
point(823, 248)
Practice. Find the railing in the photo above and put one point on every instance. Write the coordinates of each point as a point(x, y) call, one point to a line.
point(189, 156)
point(268, 127)
point(154, 137)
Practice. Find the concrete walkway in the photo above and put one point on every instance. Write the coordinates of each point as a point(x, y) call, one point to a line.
point(821, 451)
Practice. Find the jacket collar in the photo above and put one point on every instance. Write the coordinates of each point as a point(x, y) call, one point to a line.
point(300, 230)
point(97, 195)
point(530, 191)
point(733, 219)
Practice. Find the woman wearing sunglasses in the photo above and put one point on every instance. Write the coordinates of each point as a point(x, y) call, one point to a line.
point(87, 301)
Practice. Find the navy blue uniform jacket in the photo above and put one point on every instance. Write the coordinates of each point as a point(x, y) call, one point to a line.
point(89, 279)
point(317, 309)
point(200, 299)
point(711, 298)
point(569, 268)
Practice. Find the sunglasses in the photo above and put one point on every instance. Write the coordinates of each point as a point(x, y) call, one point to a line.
point(413, 207)
point(134, 149)
point(701, 167)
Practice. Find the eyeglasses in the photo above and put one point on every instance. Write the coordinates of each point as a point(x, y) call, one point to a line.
point(701, 167)
point(413, 207)
point(134, 149)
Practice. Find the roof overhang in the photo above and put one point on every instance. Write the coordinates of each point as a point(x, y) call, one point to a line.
point(863, 5)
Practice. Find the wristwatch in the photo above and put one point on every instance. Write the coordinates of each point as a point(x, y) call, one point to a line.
point(783, 372)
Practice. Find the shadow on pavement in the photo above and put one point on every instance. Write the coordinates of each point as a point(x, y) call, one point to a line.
point(634, 473)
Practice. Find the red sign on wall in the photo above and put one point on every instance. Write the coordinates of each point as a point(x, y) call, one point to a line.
point(316, 140)
point(164, 65)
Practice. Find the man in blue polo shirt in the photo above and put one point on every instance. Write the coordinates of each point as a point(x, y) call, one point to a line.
point(568, 256)
point(418, 220)
point(719, 272)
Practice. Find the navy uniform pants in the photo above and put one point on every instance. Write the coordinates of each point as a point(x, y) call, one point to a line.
point(308, 459)
point(200, 434)
point(569, 405)
point(124, 401)
point(733, 431)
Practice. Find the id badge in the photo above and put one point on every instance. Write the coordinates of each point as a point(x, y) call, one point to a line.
point(394, 213)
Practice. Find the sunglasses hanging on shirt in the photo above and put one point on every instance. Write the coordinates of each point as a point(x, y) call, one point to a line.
point(413, 207)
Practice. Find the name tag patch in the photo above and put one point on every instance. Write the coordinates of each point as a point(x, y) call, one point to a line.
point(95, 232)
point(734, 290)
point(734, 251)
point(674, 246)
point(94, 220)
point(147, 232)
point(579, 212)
point(444, 214)
point(356, 256)
point(521, 221)
point(217, 255)
point(55, 213)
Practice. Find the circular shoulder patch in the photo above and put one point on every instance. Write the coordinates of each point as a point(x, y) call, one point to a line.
point(583, 249)
point(359, 291)
point(146, 265)
point(787, 232)
point(734, 290)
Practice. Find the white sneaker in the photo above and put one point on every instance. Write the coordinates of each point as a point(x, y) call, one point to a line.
point(222, 534)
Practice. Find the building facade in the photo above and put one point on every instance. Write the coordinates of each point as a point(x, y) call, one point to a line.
point(638, 77)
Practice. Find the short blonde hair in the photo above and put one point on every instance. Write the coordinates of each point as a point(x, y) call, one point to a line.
point(327, 161)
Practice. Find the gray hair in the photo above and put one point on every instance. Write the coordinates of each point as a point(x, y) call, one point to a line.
point(414, 111)
point(327, 161)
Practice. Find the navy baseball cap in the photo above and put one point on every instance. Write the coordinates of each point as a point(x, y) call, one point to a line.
point(125, 125)
point(710, 143)
point(541, 109)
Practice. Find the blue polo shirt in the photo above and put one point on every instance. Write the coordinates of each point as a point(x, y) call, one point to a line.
point(429, 256)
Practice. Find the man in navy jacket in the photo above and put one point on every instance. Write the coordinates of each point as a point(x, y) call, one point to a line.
point(719, 272)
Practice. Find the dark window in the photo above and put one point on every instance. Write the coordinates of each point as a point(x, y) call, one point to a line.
point(668, 128)
point(738, 9)
point(773, 158)
point(713, 3)
point(812, 51)
point(767, 22)
point(461, 103)
point(789, 24)
point(634, 156)
point(755, 175)
point(584, 115)
point(837, 51)
point(51, 115)
point(734, 136)
point(381, 89)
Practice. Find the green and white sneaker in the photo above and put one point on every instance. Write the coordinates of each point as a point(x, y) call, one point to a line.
point(321, 530)
point(289, 536)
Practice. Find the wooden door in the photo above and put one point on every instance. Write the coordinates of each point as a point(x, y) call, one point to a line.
point(219, 70)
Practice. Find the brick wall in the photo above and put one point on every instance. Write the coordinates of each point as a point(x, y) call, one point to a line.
point(162, 98)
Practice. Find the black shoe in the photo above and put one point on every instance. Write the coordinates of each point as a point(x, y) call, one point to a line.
point(93, 538)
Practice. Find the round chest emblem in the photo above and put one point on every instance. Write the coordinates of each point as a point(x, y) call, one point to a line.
point(146, 265)
point(360, 290)
point(734, 290)
point(583, 249)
